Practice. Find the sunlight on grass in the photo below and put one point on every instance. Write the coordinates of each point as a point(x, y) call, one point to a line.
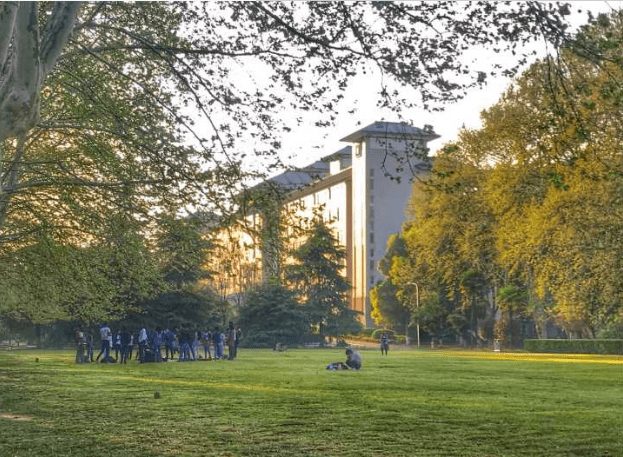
point(423, 403)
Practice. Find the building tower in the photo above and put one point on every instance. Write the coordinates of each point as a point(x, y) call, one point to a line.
point(385, 158)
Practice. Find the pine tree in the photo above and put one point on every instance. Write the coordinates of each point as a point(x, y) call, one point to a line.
point(323, 290)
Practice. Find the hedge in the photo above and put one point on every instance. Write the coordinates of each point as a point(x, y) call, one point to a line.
point(575, 346)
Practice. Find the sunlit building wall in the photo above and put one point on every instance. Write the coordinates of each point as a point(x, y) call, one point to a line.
point(362, 191)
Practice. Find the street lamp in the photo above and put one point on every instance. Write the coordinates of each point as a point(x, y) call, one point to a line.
point(417, 305)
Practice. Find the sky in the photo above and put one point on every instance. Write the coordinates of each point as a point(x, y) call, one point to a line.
point(306, 145)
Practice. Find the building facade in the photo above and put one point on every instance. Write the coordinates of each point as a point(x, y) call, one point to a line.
point(362, 191)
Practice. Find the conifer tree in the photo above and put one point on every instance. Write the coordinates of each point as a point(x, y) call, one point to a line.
point(323, 290)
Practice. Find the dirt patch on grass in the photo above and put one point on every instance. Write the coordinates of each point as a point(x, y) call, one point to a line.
point(15, 417)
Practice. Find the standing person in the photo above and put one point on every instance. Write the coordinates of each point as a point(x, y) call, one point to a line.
point(183, 337)
point(207, 337)
point(230, 339)
point(89, 347)
point(169, 337)
point(238, 338)
point(111, 338)
point(81, 343)
point(384, 343)
point(130, 345)
point(142, 343)
point(105, 334)
point(156, 342)
point(125, 339)
point(194, 345)
point(117, 344)
point(217, 339)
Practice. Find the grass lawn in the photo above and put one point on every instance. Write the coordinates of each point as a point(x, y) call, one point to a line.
point(415, 403)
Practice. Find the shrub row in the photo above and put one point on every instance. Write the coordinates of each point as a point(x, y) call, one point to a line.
point(575, 346)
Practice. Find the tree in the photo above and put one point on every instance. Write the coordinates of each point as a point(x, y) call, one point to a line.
point(184, 250)
point(317, 278)
point(98, 100)
point(272, 315)
point(122, 73)
point(178, 308)
point(525, 213)
point(387, 308)
point(48, 281)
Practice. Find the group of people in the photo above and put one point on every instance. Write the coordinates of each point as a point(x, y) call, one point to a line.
point(185, 342)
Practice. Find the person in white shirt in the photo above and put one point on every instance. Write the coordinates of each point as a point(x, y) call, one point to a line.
point(106, 337)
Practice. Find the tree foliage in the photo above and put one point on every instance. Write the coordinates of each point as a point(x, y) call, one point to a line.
point(48, 281)
point(178, 308)
point(387, 307)
point(272, 315)
point(142, 108)
point(317, 277)
point(524, 215)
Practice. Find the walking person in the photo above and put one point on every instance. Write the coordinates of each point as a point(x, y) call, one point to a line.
point(105, 334)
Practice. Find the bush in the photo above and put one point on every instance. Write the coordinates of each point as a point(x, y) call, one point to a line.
point(575, 346)
point(368, 331)
point(400, 339)
point(379, 331)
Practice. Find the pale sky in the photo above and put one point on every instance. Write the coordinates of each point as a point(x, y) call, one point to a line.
point(307, 145)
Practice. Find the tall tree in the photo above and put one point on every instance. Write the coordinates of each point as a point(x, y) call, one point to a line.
point(112, 82)
point(530, 202)
point(317, 277)
point(272, 315)
point(99, 101)
point(387, 307)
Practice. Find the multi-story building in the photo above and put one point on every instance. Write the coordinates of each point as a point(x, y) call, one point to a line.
point(362, 190)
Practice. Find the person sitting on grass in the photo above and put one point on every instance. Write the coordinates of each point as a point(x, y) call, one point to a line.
point(353, 362)
point(353, 359)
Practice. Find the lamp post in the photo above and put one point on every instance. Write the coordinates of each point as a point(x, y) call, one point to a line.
point(417, 305)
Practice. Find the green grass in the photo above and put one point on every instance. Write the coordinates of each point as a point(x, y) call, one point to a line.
point(415, 403)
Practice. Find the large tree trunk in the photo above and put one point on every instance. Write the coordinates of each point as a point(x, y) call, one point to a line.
point(26, 57)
